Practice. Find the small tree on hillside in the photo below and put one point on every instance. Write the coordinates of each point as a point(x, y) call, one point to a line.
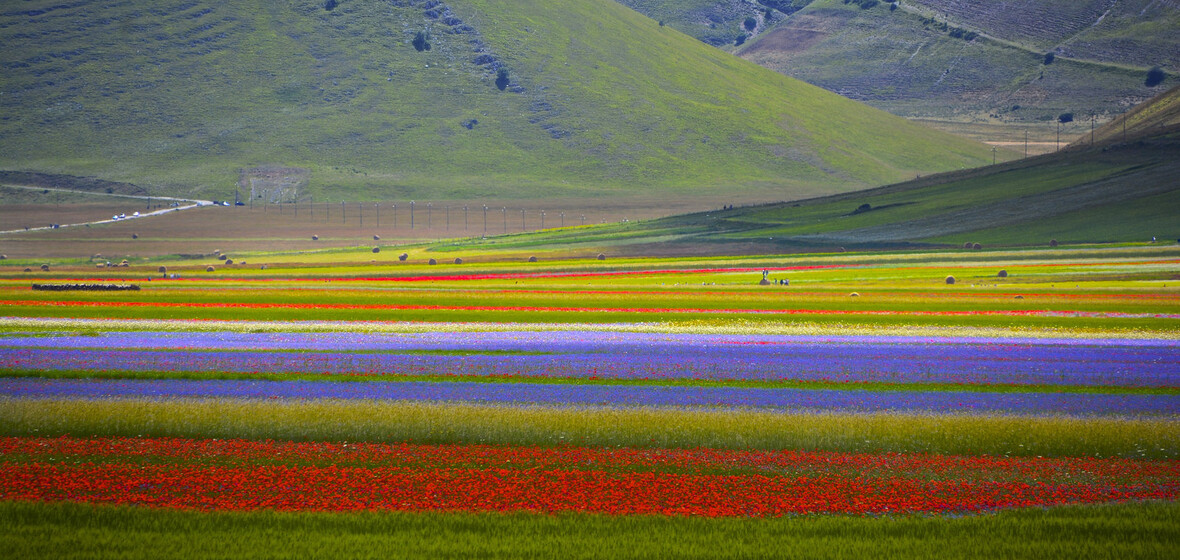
point(1065, 118)
point(1155, 77)
point(421, 41)
point(502, 78)
point(1049, 58)
point(750, 24)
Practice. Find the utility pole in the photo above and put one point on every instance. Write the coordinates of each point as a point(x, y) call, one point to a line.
point(411, 214)
point(360, 212)
point(448, 211)
point(377, 208)
point(993, 155)
point(563, 218)
point(394, 205)
point(485, 219)
point(504, 211)
point(343, 213)
point(429, 205)
point(465, 218)
point(1026, 143)
point(522, 228)
point(1092, 119)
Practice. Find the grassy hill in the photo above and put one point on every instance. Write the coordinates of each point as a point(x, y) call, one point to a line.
point(1160, 115)
point(1113, 192)
point(974, 68)
point(925, 60)
point(594, 99)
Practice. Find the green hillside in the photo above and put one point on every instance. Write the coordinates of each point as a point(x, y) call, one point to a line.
point(1117, 192)
point(961, 65)
point(595, 99)
point(1153, 118)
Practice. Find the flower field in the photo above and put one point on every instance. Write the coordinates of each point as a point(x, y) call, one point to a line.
point(866, 391)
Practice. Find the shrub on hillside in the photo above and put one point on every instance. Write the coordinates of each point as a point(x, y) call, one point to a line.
point(502, 78)
point(1155, 77)
point(1049, 57)
point(421, 41)
point(750, 23)
point(1065, 118)
point(330, 5)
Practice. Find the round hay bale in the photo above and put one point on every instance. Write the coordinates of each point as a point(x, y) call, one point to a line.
point(458, 260)
point(532, 259)
point(45, 267)
point(601, 257)
point(221, 257)
point(315, 238)
point(840, 250)
point(1052, 242)
point(403, 256)
point(950, 279)
point(162, 270)
point(376, 238)
point(977, 246)
point(217, 251)
point(1018, 297)
point(432, 261)
point(229, 261)
point(968, 245)
point(242, 262)
point(100, 265)
point(854, 294)
point(135, 236)
point(764, 282)
point(263, 267)
point(376, 249)
point(28, 269)
point(3, 257)
point(209, 269)
point(1002, 274)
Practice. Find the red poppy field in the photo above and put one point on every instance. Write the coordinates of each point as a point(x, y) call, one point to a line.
point(506, 409)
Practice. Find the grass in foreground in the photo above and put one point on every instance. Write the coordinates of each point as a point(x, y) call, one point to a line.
point(34, 530)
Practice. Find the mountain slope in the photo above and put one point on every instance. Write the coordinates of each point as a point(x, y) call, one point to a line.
point(922, 62)
point(1106, 193)
point(595, 100)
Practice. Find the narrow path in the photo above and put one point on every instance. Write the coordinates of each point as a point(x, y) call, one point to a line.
point(191, 204)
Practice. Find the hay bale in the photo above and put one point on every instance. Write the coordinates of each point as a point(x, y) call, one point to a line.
point(601, 257)
point(532, 259)
point(376, 249)
point(221, 257)
point(28, 269)
point(764, 282)
point(968, 245)
point(1052, 242)
point(209, 269)
point(99, 265)
point(229, 261)
point(376, 238)
point(977, 246)
point(315, 238)
point(1018, 297)
point(162, 270)
point(458, 260)
point(854, 294)
point(840, 250)
point(45, 267)
point(1003, 274)
point(403, 256)
point(217, 251)
point(3, 257)
point(135, 236)
point(432, 261)
point(950, 279)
